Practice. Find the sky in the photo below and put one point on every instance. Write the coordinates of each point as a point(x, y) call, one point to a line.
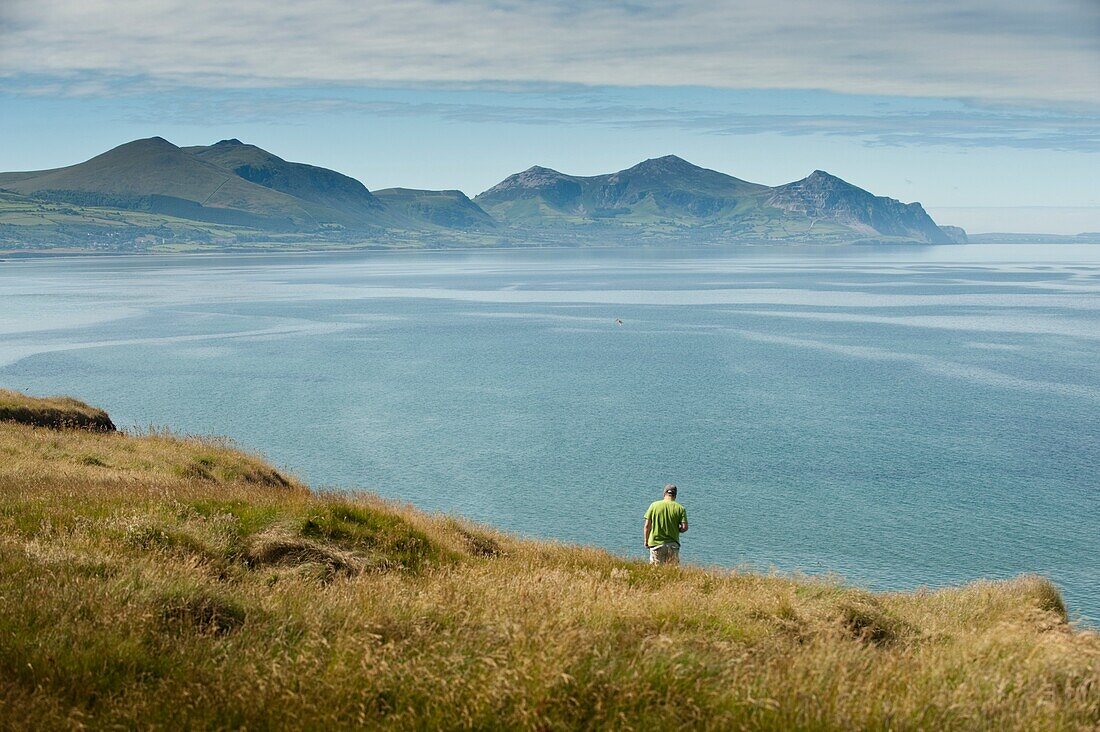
point(985, 111)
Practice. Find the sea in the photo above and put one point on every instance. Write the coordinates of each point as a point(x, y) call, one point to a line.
point(894, 417)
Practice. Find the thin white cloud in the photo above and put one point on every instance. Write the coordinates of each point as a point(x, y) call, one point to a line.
point(1006, 50)
point(967, 128)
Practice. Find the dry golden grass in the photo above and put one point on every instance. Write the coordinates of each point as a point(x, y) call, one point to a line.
point(159, 581)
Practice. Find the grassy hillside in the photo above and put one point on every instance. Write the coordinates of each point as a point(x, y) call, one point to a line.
point(32, 226)
point(28, 224)
point(661, 191)
point(447, 209)
point(338, 198)
point(165, 581)
point(155, 176)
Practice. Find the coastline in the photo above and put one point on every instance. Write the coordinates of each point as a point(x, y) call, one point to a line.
point(230, 276)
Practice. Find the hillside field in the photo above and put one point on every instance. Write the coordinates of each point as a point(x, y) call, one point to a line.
point(156, 580)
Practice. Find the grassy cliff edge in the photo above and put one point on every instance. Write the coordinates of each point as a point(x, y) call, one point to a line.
point(56, 412)
point(165, 581)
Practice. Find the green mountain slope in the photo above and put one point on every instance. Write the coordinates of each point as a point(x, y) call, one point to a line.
point(666, 188)
point(340, 197)
point(671, 195)
point(446, 209)
point(228, 184)
point(156, 176)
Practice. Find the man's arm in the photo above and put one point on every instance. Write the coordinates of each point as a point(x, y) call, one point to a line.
point(684, 526)
point(648, 526)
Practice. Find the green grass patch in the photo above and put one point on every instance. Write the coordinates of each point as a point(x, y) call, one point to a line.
point(381, 535)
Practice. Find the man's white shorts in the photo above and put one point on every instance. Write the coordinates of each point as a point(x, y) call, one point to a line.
point(665, 553)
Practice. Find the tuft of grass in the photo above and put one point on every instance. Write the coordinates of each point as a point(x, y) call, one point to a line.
point(1046, 597)
point(867, 620)
point(201, 612)
point(282, 549)
point(135, 593)
point(385, 536)
point(481, 545)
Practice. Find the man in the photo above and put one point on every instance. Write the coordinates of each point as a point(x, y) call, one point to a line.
point(665, 520)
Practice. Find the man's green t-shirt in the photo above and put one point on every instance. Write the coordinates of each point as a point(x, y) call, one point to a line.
point(665, 518)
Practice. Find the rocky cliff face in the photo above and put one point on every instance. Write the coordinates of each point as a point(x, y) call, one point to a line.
point(821, 196)
point(956, 234)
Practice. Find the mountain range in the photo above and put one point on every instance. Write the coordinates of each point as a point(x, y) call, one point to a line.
point(150, 193)
point(669, 194)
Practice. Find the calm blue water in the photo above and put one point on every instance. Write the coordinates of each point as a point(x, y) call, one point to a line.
point(909, 417)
